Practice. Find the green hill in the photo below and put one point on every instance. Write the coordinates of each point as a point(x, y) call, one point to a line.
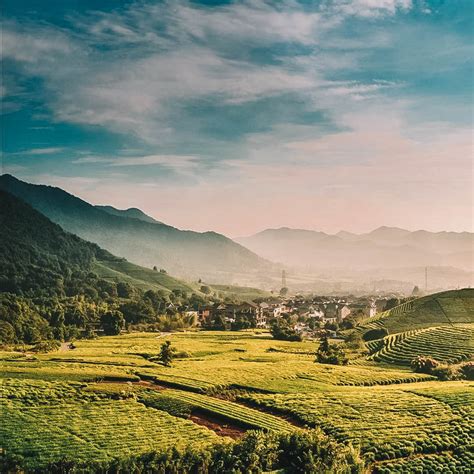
point(439, 309)
point(191, 255)
point(144, 278)
point(39, 257)
point(447, 344)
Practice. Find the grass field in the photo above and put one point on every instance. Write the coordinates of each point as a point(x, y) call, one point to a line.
point(63, 404)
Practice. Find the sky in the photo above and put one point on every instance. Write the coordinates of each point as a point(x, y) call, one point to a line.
point(238, 116)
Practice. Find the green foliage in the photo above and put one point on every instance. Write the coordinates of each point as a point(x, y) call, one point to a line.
point(330, 353)
point(112, 322)
point(283, 331)
point(46, 346)
point(467, 370)
point(167, 354)
point(424, 365)
point(373, 334)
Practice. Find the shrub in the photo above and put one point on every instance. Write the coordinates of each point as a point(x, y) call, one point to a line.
point(467, 370)
point(46, 346)
point(282, 331)
point(446, 372)
point(374, 334)
point(423, 364)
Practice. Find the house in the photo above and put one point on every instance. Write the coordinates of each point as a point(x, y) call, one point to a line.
point(336, 312)
point(366, 308)
point(280, 309)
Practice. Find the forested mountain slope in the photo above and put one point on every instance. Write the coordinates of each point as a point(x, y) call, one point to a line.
point(185, 253)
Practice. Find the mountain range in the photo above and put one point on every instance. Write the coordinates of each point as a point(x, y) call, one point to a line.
point(388, 255)
point(138, 238)
point(385, 247)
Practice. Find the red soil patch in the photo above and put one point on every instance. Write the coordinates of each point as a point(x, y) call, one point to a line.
point(220, 427)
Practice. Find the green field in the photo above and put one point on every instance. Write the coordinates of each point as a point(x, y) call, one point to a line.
point(440, 309)
point(62, 405)
point(448, 344)
point(141, 277)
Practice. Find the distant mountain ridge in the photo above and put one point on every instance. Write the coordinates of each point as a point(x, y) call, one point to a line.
point(383, 247)
point(38, 255)
point(186, 254)
point(132, 212)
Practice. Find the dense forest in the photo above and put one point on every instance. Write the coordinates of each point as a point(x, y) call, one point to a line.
point(49, 291)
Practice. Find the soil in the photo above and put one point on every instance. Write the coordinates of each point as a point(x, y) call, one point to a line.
point(220, 427)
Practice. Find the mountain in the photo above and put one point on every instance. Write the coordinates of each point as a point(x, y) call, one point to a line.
point(188, 254)
point(38, 256)
point(385, 247)
point(132, 212)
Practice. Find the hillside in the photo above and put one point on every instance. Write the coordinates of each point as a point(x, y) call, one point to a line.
point(36, 255)
point(440, 309)
point(188, 254)
point(446, 344)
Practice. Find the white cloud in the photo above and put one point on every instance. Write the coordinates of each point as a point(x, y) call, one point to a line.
point(177, 52)
point(370, 8)
point(175, 162)
point(39, 151)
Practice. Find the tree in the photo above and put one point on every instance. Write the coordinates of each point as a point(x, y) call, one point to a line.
point(155, 269)
point(354, 341)
point(416, 291)
point(283, 291)
point(167, 354)
point(330, 353)
point(7, 333)
point(283, 331)
point(205, 289)
point(112, 322)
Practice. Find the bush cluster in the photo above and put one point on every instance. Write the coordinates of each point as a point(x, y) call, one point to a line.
point(311, 452)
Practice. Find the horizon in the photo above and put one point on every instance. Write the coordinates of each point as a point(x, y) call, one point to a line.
point(236, 237)
point(240, 116)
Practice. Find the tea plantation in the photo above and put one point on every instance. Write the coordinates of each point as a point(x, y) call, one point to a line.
point(106, 400)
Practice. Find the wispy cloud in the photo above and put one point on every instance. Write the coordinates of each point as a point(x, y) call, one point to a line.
point(39, 151)
point(175, 162)
point(178, 52)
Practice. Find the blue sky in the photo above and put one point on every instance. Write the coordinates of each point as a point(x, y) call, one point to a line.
point(237, 116)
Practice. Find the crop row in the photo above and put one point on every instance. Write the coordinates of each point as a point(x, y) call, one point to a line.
point(445, 344)
point(231, 411)
point(446, 463)
point(99, 430)
point(387, 423)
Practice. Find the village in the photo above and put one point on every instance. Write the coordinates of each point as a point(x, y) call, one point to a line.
point(308, 314)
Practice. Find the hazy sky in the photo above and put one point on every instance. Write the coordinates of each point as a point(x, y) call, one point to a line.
point(237, 116)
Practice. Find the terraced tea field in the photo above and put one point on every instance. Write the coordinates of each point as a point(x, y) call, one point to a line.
point(448, 344)
point(105, 399)
point(440, 309)
point(44, 422)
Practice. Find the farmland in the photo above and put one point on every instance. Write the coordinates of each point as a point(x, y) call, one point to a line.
point(105, 399)
point(446, 344)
